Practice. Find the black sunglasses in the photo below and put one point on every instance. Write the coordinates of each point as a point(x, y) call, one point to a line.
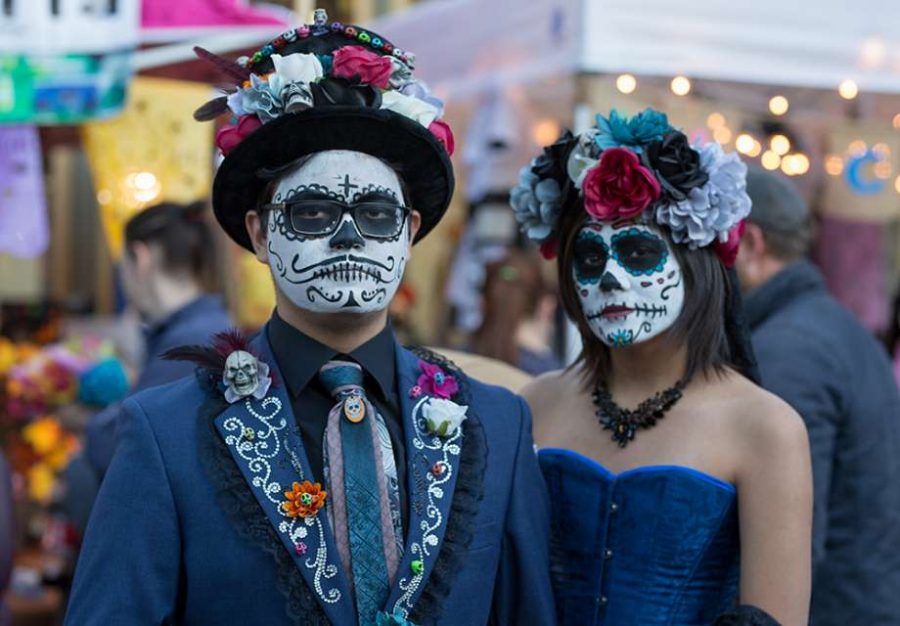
point(319, 217)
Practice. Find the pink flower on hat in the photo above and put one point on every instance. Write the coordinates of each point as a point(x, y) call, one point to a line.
point(355, 61)
point(444, 134)
point(228, 137)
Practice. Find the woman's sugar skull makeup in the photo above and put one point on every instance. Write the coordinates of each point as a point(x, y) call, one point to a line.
point(338, 233)
point(628, 280)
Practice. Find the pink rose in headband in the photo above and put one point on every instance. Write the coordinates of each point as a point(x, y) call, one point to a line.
point(228, 137)
point(618, 187)
point(442, 131)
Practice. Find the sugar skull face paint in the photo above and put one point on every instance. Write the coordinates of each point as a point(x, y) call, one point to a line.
point(628, 279)
point(339, 237)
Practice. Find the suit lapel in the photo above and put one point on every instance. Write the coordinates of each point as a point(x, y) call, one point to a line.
point(432, 468)
point(264, 441)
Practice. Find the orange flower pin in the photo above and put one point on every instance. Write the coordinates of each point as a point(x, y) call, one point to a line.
point(304, 499)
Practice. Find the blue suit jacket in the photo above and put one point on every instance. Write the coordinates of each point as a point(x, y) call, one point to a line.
point(188, 528)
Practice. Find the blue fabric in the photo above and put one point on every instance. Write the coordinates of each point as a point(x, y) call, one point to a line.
point(160, 549)
point(653, 545)
point(364, 532)
point(816, 356)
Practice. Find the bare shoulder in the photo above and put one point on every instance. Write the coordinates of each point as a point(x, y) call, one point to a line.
point(760, 422)
point(548, 388)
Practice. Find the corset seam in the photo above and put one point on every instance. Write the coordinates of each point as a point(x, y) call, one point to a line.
point(676, 605)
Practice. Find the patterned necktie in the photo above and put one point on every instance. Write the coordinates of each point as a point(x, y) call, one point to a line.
point(361, 504)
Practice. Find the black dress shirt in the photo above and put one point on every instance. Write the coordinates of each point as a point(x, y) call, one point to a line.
point(299, 358)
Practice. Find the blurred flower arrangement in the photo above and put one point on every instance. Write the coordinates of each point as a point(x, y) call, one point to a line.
point(38, 384)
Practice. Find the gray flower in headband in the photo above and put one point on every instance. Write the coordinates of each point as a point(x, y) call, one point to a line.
point(709, 212)
point(536, 203)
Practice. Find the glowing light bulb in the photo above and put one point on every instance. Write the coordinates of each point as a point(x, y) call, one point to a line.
point(780, 144)
point(801, 163)
point(715, 120)
point(744, 143)
point(779, 105)
point(756, 150)
point(626, 83)
point(856, 147)
point(896, 121)
point(882, 170)
point(770, 160)
point(681, 86)
point(545, 132)
point(722, 135)
point(848, 90)
point(834, 164)
point(897, 184)
point(104, 196)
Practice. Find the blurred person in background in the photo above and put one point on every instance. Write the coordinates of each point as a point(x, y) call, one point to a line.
point(166, 269)
point(815, 355)
point(517, 314)
point(7, 534)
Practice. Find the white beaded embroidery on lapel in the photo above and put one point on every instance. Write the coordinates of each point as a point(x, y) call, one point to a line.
point(422, 549)
point(259, 447)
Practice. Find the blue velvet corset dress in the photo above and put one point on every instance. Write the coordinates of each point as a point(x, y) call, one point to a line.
point(652, 545)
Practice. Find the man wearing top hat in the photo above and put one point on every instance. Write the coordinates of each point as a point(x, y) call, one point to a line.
point(319, 473)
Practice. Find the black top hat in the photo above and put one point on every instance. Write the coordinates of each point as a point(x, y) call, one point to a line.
point(327, 87)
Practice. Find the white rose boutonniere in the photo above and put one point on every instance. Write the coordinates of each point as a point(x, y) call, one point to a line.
point(443, 417)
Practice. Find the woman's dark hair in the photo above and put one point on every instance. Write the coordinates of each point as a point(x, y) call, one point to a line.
point(182, 233)
point(513, 288)
point(701, 324)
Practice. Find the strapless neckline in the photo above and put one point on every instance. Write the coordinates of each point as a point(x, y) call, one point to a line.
point(642, 469)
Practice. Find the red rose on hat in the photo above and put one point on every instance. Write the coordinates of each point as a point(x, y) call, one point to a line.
point(371, 68)
point(441, 130)
point(618, 187)
point(228, 137)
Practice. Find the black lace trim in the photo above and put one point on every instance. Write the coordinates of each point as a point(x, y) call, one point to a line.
point(244, 512)
point(467, 499)
point(746, 615)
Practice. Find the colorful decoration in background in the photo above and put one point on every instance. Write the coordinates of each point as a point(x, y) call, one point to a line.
point(59, 65)
point(153, 152)
point(37, 383)
point(23, 206)
point(863, 183)
point(163, 20)
point(62, 89)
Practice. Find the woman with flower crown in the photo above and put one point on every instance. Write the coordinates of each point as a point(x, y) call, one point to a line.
point(681, 490)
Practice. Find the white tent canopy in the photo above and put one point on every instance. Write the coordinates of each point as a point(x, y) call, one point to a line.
point(467, 46)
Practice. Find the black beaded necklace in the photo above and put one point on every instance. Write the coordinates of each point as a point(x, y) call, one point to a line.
point(624, 423)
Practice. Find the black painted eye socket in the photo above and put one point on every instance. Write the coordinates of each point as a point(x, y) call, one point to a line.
point(590, 256)
point(640, 253)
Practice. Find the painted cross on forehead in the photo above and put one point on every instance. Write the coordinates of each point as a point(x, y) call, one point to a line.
point(628, 279)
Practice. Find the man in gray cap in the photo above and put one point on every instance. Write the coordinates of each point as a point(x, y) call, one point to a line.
point(815, 355)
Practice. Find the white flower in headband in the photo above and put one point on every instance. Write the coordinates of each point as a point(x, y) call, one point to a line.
point(408, 106)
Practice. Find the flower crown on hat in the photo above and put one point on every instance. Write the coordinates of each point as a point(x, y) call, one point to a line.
point(638, 167)
point(299, 81)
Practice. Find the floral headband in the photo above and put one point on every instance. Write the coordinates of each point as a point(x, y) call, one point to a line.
point(299, 81)
point(636, 168)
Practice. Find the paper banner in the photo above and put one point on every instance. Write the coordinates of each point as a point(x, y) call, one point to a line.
point(154, 152)
point(181, 14)
point(23, 207)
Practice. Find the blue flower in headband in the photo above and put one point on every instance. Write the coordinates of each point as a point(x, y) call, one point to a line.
point(633, 133)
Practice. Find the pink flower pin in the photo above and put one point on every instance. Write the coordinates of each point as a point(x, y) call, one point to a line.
point(436, 382)
point(355, 61)
point(229, 137)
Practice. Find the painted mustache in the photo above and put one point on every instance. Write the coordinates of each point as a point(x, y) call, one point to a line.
point(389, 267)
point(345, 268)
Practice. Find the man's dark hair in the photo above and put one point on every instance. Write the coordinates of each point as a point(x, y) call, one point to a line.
point(781, 212)
point(700, 325)
point(183, 235)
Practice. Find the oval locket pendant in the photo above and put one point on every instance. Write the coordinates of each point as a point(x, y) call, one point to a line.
point(354, 409)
